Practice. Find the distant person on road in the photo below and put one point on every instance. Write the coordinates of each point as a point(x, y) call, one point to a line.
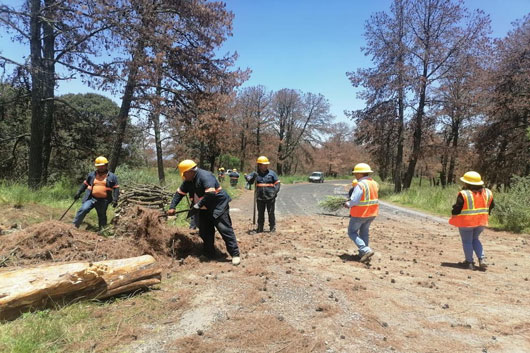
point(234, 177)
point(353, 185)
point(267, 189)
point(221, 174)
point(211, 203)
point(101, 188)
point(470, 214)
point(364, 206)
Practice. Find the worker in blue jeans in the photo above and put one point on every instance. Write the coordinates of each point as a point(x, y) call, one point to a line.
point(364, 206)
point(470, 214)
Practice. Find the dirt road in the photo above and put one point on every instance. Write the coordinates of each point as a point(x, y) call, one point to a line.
point(300, 289)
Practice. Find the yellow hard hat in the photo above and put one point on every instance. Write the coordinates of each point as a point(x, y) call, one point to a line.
point(100, 161)
point(234, 170)
point(472, 178)
point(263, 160)
point(221, 169)
point(362, 168)
point(186, 165)
point(354, 182)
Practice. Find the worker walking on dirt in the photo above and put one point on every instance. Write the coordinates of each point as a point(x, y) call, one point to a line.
point(364, 206)
point(470, 214)
point(211, 202)
point(267, 189)
point(101, 188)
point(234, 177)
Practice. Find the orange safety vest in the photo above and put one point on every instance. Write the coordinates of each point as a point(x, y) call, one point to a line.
point(369, 203)
point(475, 211)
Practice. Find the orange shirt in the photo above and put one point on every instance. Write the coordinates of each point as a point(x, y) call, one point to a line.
point(99, 189)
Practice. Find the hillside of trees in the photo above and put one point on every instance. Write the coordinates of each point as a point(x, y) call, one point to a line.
point(442, 96)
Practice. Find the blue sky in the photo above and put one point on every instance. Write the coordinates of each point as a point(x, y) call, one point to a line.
point(304, 44)
point(310, 44)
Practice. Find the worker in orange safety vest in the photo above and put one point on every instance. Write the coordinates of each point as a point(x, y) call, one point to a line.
point(364, 206)
point(470, 214)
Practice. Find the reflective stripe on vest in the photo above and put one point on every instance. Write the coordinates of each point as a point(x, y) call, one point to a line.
point(268, 185)
point(369, 204)
point(475, 210)
point(197, 198)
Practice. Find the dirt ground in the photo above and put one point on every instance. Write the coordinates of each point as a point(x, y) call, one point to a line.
point(301, 289)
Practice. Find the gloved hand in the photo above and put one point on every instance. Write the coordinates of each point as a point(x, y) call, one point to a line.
point(346, 205)
point(196, 206)
point(77, 195)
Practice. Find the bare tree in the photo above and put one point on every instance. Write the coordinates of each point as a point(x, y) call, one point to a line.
point(440, 29)
point(501, 143)
point(386, 85)
point(297, 117)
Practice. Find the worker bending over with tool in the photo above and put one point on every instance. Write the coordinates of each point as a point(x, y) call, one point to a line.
point(211, 202)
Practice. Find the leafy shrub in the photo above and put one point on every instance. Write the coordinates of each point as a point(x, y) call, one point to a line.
point(512, 207)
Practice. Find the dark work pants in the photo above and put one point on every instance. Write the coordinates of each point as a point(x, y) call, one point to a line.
point(207, 225)
point(269, 204)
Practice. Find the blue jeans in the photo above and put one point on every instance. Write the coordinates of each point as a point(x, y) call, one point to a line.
point(101, 206)
point(470, 242)
point(358, 231)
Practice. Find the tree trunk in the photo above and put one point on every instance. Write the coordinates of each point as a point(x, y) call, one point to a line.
point(398, 181)
point(48, 85)
point(155, 118)
point(123, 115)
point(454, 155)
point(35, 149)
point(416, 147)
point(47, 286)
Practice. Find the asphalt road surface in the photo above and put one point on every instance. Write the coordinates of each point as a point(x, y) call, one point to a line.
point(303, 198)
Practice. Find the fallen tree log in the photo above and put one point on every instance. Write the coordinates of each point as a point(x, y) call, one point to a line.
point(45, 286)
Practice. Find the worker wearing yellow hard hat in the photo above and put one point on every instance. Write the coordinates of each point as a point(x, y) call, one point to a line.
point(210, 201)
point(470, 214)
point(221, 174)
point(234, 177)
point(267, 189)
point(101, 188)
point(364, 206)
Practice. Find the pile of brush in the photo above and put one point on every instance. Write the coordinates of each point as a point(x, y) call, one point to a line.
point(332, 203)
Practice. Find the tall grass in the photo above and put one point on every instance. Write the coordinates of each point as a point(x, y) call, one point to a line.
point(511, 212)
point(434, 199)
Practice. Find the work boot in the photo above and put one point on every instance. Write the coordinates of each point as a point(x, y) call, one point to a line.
point(366, 257)
point(236, 260)
point(260, 229)
point(467, 265)
point(482, 263)
point(273, 229)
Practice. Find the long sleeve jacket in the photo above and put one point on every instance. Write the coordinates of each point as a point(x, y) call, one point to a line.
point(267, 184)
point(205, 192)
point(113, 188)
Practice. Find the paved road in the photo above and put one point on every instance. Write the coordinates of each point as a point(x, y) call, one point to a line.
point(302, 199)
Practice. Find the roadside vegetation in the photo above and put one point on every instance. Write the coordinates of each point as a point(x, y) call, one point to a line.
point(512, 205)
